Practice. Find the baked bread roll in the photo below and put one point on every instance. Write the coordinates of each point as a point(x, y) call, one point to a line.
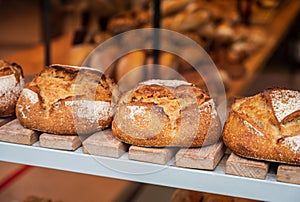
point(160, 113)
point(121, 23)
point(67, 100)
point(172, 7)
point(266, 126)
point(11, 85)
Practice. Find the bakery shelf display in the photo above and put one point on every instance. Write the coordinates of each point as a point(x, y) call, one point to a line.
point(215, 181)
point(209, 169)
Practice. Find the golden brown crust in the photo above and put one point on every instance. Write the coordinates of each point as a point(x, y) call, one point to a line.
point(257, 126)
point(11, 85)
point(161, 113)
point(67, 100)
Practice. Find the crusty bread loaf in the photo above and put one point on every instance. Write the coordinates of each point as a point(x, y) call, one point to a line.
point(11, 85)
point(266, 126)
point(67, 100)
point(159, 113)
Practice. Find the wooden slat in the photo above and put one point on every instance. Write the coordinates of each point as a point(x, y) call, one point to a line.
point(63, 142)
point(152, 155)
point(239, 166)
point(206, 158)
point(103, 143)
point(289, 174)
point(14, 132)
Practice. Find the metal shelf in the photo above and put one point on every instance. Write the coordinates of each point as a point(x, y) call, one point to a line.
point(165, 175)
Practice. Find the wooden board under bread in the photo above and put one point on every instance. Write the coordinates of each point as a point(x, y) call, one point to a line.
point(103, 143)
point(239, 166)
point(64, 142)
point(151, 155)
point(289, 174)
point(206, 158)
point(14, 132)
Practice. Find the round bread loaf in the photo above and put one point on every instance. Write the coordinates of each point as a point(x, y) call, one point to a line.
point(266, 126)
point(11, 85)
point(160, 113)
point(67, 100)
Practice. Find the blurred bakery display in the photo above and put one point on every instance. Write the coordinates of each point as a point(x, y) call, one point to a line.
point(240, 36)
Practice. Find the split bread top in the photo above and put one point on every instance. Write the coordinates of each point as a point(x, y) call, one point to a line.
point(266, 126)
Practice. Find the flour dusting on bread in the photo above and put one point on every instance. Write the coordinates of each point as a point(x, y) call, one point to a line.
point(11, 85)
point(135, 110)
point(251, 128)
point(93, 111)
point(293, 143)
point(168, 83)
point(284, 102)
point(30, 95)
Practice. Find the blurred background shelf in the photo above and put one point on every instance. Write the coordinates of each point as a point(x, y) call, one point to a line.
point(276, 31)
point(64, 51)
